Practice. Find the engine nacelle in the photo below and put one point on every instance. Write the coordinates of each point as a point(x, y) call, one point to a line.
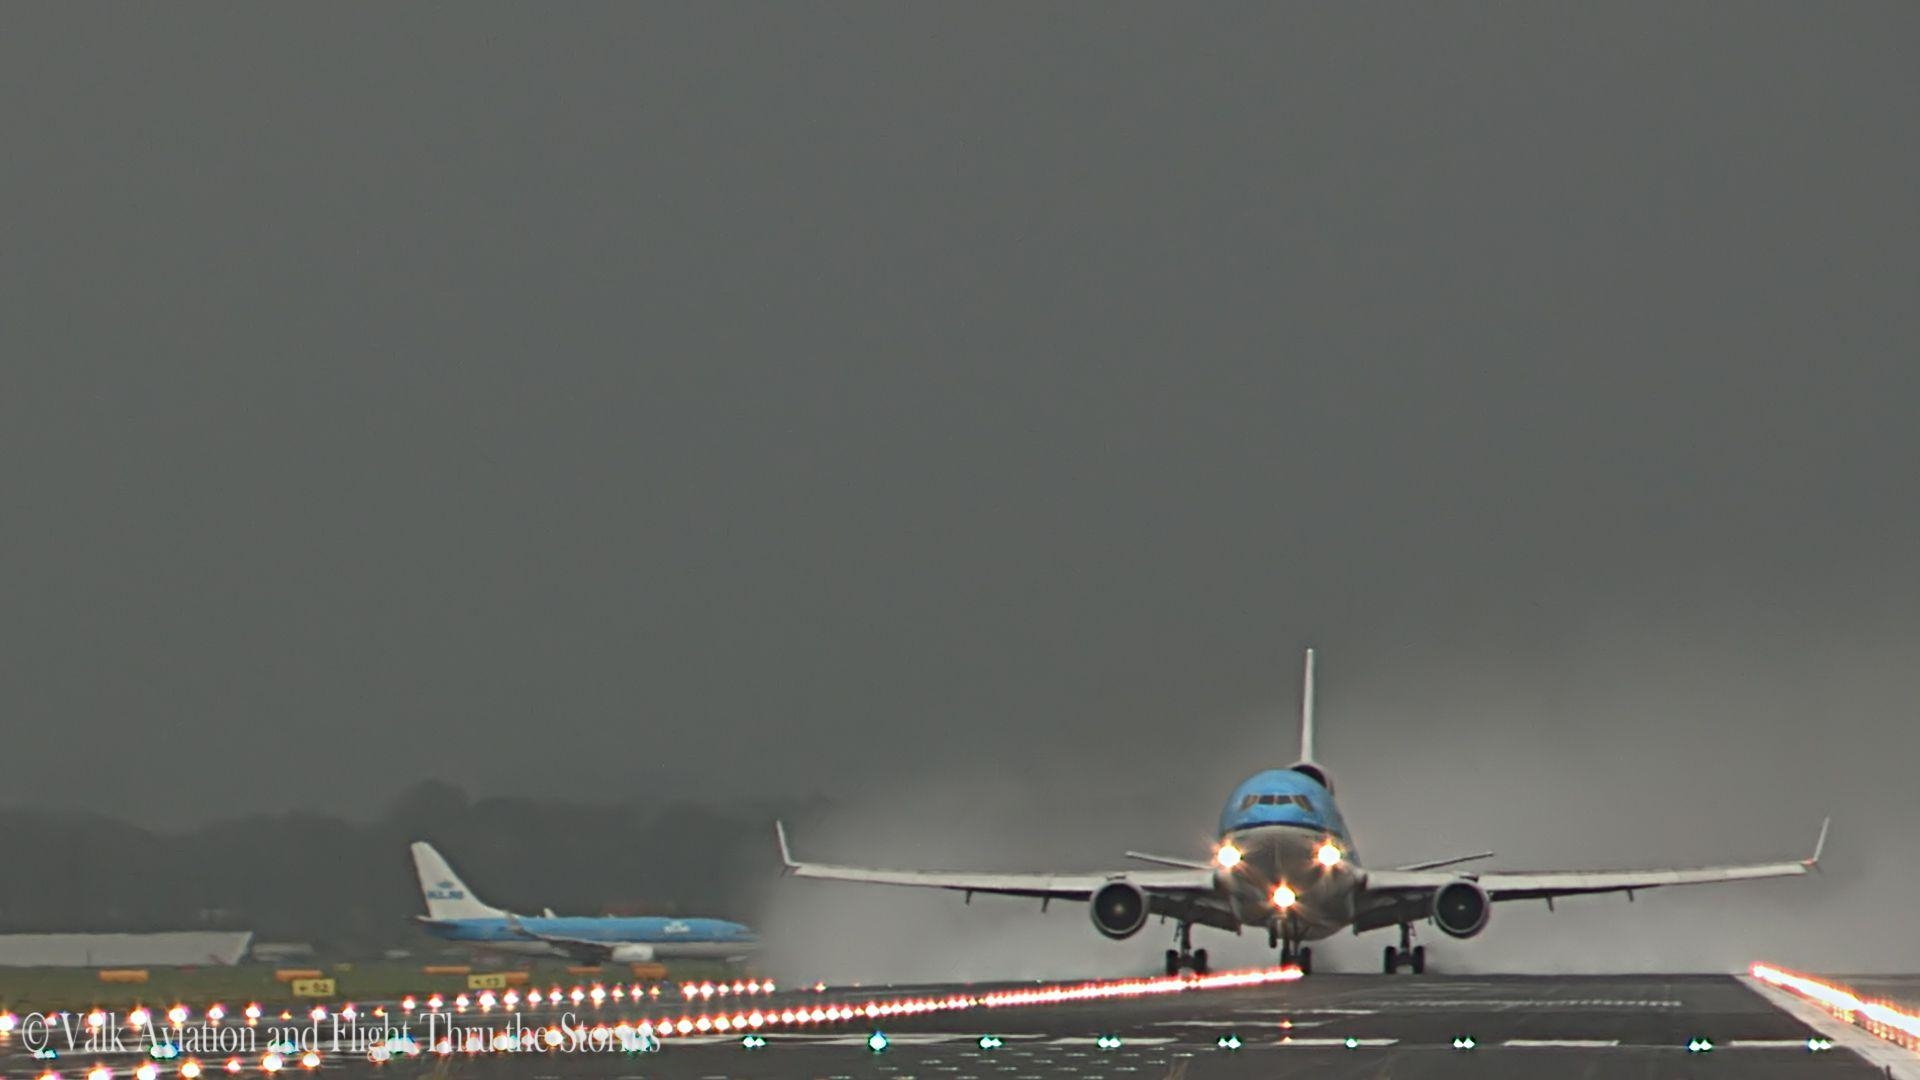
point(1461, 908)
point(1118, 908)
point(632, 954)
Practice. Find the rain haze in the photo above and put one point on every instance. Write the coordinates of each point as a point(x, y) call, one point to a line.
point(967, 414)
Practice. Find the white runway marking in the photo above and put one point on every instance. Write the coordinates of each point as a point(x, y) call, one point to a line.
point(1571, 1044)
point(1324, 1043)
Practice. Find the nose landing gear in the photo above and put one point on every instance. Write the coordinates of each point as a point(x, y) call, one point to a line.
point(1292, 952)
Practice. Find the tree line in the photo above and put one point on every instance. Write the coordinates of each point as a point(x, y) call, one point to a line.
point(349, 888)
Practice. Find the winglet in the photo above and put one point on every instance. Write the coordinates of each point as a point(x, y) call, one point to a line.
point(786, 852)
point(1819, 845)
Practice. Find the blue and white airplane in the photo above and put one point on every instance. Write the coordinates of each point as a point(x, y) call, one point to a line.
point(1285, 863)
point(456, 914)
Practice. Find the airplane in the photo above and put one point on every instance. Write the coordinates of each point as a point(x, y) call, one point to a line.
point(1286, 863)
point(454, 913)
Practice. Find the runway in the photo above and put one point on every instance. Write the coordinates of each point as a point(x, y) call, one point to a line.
point(1326, 1025)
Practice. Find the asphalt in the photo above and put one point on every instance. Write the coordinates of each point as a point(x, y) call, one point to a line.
point(1400, 1027)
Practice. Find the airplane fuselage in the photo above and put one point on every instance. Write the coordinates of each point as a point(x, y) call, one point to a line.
point(650, 937)
point(1293, 869)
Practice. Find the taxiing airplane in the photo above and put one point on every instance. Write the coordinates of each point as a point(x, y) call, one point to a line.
point(455, 914)
point(1285, 863)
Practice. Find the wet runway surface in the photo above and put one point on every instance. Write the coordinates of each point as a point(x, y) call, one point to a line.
point(1326, 1025)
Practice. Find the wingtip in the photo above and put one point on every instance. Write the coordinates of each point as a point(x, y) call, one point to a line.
point(1819, 846)
point(786, 851)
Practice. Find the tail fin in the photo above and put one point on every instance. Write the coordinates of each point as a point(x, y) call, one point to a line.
point(447, 896)
point(1307, 766)
point(1306, 714)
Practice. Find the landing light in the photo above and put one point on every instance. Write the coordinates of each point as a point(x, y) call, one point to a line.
point(1328, 856)
point(1283, 897)
point(1227, 857)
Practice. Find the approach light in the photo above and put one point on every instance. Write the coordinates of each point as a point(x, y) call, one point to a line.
point(190, 1070)
point(147, 1071)
point(8, 1022)
point(1328, 855)
point(1227, 857)
point(1283, 897)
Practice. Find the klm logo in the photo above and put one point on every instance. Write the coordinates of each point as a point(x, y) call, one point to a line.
point(676, 927)
point(445, 890)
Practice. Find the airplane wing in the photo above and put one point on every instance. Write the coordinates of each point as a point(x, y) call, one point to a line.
point(1393, 893)
point(587, 952)
point(1168, 891)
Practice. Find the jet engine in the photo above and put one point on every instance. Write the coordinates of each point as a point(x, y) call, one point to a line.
point(1118, 908)
point(1461, 908)
point(631, 954)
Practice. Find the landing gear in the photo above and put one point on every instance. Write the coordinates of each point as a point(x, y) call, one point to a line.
point(1294, 955)
point(1292, 952)
point(1186, 956)
point(1407, 955)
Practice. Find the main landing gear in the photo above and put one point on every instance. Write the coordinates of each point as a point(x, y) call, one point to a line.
point(1186, 956)
point(1408, 954)
point(1292, 952)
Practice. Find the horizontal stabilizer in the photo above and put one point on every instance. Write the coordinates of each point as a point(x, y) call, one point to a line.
point(1455, 861)
point(1165, 860)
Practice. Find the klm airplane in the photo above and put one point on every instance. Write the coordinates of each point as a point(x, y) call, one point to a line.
point(455, 914)
point(1285, 863)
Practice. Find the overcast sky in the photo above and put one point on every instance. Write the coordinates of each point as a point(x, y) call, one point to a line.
point(742, 400)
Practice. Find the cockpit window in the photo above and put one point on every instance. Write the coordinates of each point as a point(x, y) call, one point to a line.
point(1248, 802)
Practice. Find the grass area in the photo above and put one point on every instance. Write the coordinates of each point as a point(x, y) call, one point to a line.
point(49, 989)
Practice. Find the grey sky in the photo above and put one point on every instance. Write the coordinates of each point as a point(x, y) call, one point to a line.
point(746, 399)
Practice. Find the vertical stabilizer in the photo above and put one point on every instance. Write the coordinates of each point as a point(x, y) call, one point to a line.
point(446, 895)
point(1306, 714)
